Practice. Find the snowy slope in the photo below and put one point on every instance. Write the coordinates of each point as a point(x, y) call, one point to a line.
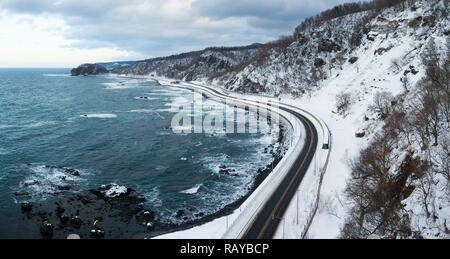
point(389, 52)
point(192, 65)
point(374, 73)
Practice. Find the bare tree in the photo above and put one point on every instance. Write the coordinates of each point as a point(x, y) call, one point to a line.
point(382, 104)
point(343, 103)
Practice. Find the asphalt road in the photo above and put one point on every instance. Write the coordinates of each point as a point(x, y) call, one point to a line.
point(266, 223)
point(269, 218)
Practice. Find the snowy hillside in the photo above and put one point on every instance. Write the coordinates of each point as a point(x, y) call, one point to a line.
point(318, 51)
point(343, 80)
point(192, 65)
point(387, 67)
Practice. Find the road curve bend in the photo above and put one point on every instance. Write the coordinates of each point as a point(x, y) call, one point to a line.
point(267, 220)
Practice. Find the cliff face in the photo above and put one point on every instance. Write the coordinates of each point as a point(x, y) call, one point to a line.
point(89, 69)
point(192, 65)
point(319, 50)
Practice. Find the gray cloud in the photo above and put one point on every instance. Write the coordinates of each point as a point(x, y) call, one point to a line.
point(161, 27)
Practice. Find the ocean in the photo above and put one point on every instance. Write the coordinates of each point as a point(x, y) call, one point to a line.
point(113, 130)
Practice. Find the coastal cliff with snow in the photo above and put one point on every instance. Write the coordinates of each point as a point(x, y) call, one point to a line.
point(192, 65)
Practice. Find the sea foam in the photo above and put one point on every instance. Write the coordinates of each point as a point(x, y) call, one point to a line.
point(99, 115)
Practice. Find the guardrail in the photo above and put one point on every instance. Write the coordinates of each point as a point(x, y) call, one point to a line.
point(327, 144)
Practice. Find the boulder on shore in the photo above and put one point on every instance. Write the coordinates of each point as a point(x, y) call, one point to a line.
point(89, 69)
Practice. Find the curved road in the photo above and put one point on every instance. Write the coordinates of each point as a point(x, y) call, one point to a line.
point(268, 219)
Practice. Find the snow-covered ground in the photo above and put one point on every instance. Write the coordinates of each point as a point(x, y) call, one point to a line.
point(372, 73)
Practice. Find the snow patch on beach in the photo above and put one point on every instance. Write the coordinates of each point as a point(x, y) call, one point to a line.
point(113, 190)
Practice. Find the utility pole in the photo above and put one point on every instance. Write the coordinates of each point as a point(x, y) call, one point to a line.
point(284, 222)
point(227, 221)
point(315, 164)
point(297, 206)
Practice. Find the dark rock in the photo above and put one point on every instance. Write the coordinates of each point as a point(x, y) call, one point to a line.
point(353, 60)
point(326, 45)
point(429, 21)
point(94, 209)
point(71, 172)
point(180, 213)
point(89, 69)
point(360, 134)
point(381, 51)
point(224, 172)
point(64, 187)
point(148, 215)
point(199, 215)
point(97, 224)
point(318, 62)
point(302, 39)
point(59, 211)
point(97, 233)
point(76, 222)
point(30, 183)
point(149, 226)
point(65, 219)
point(189, 77)
point(46, 228)
point(248, 86)
point(26, 207)
point(370, 38)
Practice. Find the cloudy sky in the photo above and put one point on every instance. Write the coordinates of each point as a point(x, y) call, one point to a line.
point(65, 33)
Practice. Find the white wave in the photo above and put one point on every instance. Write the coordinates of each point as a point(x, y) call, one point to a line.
point(29, 125)
point(57, 75)
point(192, 190)
point(3, 151)
point(44, 181)
point(99, 115)
point(153, 197)
point(145, 98)
point(124, 84)
point(148, 111)
point(180, 128)
point(268, 139)
point(142, 111)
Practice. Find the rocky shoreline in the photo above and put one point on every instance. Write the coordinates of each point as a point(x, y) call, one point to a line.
point(116, 212)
